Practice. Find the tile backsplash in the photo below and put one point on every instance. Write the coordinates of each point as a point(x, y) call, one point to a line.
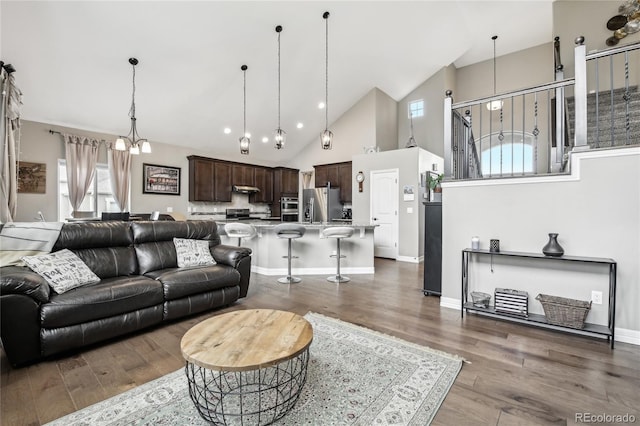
point(238, 201)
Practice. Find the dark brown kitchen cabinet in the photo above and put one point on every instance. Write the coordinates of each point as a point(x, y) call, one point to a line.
point(243, 174)
point(264, 181)
point(285, 184)
point(346, 181)
point(222, 181)
point(209, 180)
point(337, 175)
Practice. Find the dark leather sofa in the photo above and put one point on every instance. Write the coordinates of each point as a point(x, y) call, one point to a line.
point(140, 286)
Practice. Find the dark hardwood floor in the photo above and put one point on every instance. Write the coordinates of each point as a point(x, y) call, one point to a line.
point(514, 375)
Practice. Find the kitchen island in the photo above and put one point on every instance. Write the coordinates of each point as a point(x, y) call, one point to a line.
point(312, 250)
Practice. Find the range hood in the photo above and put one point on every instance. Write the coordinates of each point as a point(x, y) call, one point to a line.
point(244, 189)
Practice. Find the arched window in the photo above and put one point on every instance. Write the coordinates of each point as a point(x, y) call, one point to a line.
point(513, 155)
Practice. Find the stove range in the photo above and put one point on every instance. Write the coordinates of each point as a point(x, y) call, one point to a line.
point(237, 214)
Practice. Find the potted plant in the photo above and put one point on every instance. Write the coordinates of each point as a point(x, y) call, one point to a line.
point(435, 189)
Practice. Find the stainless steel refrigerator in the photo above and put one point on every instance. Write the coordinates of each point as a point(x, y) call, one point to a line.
point(321, 204)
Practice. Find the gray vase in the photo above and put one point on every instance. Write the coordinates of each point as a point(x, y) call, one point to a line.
point(552, 248)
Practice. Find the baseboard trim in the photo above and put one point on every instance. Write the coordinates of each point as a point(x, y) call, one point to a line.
point(312, 271)
point(448, 302)
point(622, 335)
point(410, 259)
point(625, 335)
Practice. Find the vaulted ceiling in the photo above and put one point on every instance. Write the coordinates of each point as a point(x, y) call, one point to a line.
point(72, 61)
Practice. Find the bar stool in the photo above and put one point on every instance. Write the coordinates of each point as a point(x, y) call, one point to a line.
point(289, 231)
point(240, 231)
point(338, 232)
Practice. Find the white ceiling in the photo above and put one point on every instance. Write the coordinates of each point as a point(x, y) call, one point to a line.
point(72, 61)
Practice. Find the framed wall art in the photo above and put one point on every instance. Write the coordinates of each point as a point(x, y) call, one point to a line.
point(32, 178)
point(160, 179)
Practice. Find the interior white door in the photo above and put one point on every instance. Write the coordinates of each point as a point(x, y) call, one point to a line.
point(384, 212)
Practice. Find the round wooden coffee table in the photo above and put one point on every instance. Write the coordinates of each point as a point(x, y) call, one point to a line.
point(247, 367)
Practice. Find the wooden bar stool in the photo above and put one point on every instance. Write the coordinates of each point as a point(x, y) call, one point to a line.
point(290, 232)
point(338, 232)
point(240, 231)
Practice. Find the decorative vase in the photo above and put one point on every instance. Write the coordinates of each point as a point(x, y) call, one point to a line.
point(552, 248)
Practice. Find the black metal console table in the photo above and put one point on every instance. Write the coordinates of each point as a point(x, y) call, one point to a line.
point(537, 320)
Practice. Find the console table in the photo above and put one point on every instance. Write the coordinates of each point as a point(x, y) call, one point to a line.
point(538, 320)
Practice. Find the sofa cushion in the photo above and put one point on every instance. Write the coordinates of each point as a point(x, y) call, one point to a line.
point(108, 262)
point(181, 282)
point(153, 241)
point(192, 252)
point(109, 297)
point(63, 270)
point(106, 247)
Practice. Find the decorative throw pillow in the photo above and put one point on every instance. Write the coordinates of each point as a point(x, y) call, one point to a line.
point(63, 270)
point(193, 252)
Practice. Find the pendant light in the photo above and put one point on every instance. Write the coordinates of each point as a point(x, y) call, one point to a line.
point(411, 142)
point(135, 141)
point(326, 136)
point(244, 140)
point(279, 135)
point(497, 104)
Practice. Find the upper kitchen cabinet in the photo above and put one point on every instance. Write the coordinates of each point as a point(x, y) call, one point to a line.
point(337, 175)
point(286, 181)
point(209, 180)
point(243, 174)
point(264, 181)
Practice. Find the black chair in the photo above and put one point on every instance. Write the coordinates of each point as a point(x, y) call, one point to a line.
point(124, 216)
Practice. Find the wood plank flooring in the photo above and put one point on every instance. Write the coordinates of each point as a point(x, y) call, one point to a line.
point(515, 374)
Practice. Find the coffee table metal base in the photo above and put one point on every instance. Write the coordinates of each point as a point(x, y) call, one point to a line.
point(253, 397)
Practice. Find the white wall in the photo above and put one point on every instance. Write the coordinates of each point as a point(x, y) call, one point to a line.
point(596, 212)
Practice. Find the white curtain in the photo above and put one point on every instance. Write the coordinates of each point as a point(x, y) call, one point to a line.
point(9, 145)
point(82, 155)
point(120, 173)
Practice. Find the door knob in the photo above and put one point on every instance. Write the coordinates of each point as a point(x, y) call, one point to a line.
point(375, 218)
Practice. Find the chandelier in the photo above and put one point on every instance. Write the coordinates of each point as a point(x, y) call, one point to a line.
point(326, 136)
point(497, 104)
point(136, 143)
point(279, 135)
point(244, 140)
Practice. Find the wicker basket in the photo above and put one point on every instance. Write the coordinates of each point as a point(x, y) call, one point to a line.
point(563, 311)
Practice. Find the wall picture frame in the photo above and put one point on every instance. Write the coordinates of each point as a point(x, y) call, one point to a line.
point(157, 179)
point(32, 178)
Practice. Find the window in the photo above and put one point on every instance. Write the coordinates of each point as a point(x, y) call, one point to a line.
point(98, 199)
point(511, 156)
point(416, 108)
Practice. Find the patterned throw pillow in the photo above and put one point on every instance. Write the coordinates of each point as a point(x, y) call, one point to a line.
point(193, 252)
point(63, 270)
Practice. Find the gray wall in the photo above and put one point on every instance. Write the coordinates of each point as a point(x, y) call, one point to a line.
point(589, 19)
point(427, 130)
point(39, 146)
point(597, 215)
point(410, 162)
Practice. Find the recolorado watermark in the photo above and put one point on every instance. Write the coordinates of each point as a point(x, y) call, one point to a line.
point(604, 418)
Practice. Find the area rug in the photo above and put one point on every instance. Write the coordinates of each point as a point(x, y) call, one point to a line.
point(356, 376)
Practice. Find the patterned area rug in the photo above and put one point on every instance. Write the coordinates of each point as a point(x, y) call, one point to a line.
point(356, 376)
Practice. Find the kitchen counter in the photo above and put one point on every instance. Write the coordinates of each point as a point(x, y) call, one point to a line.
point(313, 251)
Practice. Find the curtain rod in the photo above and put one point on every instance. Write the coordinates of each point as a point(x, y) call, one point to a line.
point(55, 132)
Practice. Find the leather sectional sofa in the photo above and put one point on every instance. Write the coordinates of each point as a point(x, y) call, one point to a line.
point(140, 286)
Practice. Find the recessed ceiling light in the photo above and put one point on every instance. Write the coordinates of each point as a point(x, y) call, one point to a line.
point(299, 125)
point(265, 139)
point(227, 130)
point(321, 105)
